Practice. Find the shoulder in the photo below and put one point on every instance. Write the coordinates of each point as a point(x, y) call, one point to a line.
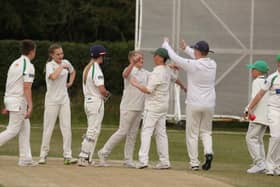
point(66, 61)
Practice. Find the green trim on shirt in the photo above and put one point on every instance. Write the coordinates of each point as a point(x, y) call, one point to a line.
point(92, 74)
point(273, 79)
point(24, 66)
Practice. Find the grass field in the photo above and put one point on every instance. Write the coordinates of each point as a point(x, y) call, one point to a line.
point(230, 163)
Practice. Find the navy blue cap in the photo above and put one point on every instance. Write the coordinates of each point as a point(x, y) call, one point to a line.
point(202, 46)
point(97, 50)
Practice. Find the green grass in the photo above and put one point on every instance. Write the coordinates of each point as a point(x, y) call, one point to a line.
point(231, 157)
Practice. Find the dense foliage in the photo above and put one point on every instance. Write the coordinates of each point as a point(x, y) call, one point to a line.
point(68, 20)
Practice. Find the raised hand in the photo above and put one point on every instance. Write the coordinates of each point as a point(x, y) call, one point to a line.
point(183, 45)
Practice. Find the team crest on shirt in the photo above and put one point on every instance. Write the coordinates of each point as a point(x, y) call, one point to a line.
point(17, 65)
point(100, 77)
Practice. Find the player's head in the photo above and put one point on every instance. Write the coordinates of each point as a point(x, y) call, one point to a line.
point(56, 53)
point(138, 57)
point(28, 48)
point(98, 52)
point(278, 61)
point(160, 56)
point(260, 67)
point(201, 49)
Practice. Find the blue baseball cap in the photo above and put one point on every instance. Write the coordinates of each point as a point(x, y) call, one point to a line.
point(202, 46)
point(97, 51)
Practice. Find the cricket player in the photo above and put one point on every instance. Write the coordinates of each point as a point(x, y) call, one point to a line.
point(94, 93)
point(272, 86)
point(257, 128)
point(156, 106)
point(57, 103)
point(201, 96)
point(131, 109)
point(18, 102)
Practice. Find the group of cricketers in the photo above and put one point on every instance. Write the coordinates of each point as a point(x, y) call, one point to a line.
point(145, 97)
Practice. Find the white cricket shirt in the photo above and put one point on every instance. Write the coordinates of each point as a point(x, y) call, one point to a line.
point(133, 99)
point(159, 84)
point(272, 84)
point(57, 89)
point(201, 75)
point(20, 71)
point(260, 109)
point(94, 79)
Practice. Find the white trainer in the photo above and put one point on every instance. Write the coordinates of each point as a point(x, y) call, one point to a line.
point(129, 164)
point(259, 168)
point(269, 172)
point(83, 162)
point(140, 165)
point(102, 159)
point(43, 160)
point(161, 165)
point(30, 163)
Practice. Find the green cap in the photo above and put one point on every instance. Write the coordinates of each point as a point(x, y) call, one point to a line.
point(278, 58)
point(259, 65)
point(162, 52)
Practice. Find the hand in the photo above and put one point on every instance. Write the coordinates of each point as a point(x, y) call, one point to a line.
point(173, 66)
point(4, 111)
point(245, 115)
point(184, 88)
point(28, 113)
point(69, 84)
point(65, 66)
point(183, 45)
point(166, 39)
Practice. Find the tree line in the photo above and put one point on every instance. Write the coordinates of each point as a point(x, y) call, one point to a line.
point(67, 20)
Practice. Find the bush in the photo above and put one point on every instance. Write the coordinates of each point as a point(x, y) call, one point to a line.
point(77, 54)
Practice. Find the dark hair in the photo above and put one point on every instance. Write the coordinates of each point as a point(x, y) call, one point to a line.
point(27, 46)
point(51, 50)
point(203, 53)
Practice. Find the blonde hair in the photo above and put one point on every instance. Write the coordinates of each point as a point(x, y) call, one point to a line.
point(86, 70)
point(51, 50)
point(133, 53)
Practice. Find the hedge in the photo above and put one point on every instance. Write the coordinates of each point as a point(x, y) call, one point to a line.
point(78, 54)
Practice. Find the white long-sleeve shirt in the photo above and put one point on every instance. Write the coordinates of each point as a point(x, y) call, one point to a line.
point(201, 75)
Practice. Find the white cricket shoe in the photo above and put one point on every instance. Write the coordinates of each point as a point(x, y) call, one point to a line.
point(161, 165)
point(83, 162)
point(194, 168)
point(43, 160)
point(129, 164)
point(258, 168)
point(30, 163)
point(102, 159)
point(141, 165)
point(269, 172)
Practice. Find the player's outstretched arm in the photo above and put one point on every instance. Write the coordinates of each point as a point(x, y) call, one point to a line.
point(187, 49)
point(129, 68)
point(136, 84)
point(184, 63)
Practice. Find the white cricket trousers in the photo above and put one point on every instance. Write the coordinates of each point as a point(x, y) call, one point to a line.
point(154, 123)
point(273, 153)
point(63, 112)
point(129, 125)
point(198, 124)
point(94, 109)
point(21, 127)
point(254, 140)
